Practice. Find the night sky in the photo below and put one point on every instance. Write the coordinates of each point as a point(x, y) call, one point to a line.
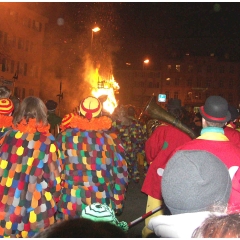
point(155, 29)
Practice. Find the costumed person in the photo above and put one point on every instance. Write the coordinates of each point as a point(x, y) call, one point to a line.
point(133, 138)
point(196, 125)
point(215, 115)
point(29, 172)
point(142, 129)
point(94, 166)
point(195, 184)
point(6, 109)
point(65, 123)
point(230, 128)
point(159, 146)
point(5, 92)
point(53, 118)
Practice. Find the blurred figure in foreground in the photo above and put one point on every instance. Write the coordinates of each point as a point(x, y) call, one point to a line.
point(219, 226)
point(195, 184)
point(29, 173)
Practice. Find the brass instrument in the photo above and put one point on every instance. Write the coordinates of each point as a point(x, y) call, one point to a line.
point(155, 111)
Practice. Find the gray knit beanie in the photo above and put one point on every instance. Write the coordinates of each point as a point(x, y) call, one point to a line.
point(195, 181)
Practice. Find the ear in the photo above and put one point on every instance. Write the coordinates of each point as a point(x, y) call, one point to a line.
point(203, 122)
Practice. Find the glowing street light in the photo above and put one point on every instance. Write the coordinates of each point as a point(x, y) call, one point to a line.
point(146, 61)
point(96, 29)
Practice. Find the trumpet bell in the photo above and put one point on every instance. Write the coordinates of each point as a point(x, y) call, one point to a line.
point(153, 110)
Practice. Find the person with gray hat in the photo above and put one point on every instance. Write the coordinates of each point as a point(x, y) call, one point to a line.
point(195, 185)
point(215, 115)
point(230, 128)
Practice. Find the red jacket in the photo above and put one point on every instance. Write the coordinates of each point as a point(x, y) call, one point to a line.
point(158, 148)
point(228, 152)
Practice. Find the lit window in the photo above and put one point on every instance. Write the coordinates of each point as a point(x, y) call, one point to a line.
point(178, 68)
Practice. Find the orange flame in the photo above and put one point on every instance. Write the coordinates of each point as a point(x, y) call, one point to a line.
point(107, 87)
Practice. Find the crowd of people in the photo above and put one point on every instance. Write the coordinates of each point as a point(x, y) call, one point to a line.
point(68, 176)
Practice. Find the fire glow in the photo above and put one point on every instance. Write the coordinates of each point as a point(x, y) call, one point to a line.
point(106, 88)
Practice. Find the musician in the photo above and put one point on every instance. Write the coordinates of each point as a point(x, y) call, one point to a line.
point(158, 148)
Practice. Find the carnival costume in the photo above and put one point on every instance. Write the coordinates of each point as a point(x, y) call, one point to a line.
point(133, 138)
point(30, 180)
point(94, 168)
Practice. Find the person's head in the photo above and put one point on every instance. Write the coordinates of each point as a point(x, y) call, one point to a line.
point(215, 112)
point(234, 113)
point(6, 106)
point(98, 212)
point(198, 119)
point(195, 181)
point(219, 226)
point(131, 111)
point(66, 120)
point(5, 92)
point(82, 228)
point(90, 107)
point(51, 105)
point(31, 107)
point(174, 107)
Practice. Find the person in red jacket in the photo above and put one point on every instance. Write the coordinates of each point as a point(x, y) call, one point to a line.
point(164, 139)
point(215, 115)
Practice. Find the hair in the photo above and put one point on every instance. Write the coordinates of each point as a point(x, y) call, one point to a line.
point(5, 92)
point(81, 227)
point(31, 107)
point(223, 226)
point(214, 124)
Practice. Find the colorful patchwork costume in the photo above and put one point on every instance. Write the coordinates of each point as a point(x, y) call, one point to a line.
point(94, 168)
point(29, 180)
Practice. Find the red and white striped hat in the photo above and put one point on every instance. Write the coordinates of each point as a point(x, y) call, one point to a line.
point(6, 106)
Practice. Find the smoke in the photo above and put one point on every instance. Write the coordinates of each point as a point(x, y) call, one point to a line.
point(76, 58)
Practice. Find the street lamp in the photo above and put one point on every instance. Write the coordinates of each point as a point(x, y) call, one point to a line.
point(96, 29)
point(146, 61)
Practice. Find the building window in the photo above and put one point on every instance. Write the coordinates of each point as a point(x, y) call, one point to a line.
point(169, 68)
point(175, 95)
point(150, 85)
point(37, 26)
point(178, 68)
point(5, 66)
